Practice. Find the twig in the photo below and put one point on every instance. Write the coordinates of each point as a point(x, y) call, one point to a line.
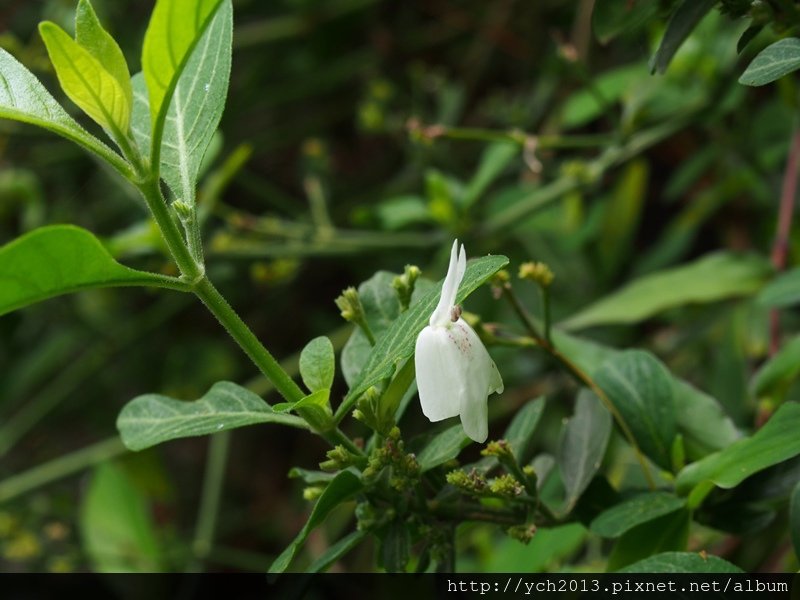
point(780, 247)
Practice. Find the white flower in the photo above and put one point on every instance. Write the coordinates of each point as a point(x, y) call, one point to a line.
point(455, 373)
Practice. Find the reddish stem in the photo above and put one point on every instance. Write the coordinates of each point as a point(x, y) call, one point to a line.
point(780, 247)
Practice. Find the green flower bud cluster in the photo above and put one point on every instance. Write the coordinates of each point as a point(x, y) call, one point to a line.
point(338, 458)
point(471, 483)
point(352, 311)
point(522, 533)
point(368, 517)
point(368, 411)
point(506, 485)
point(404, 285)
point(349, 304)
point(404, 468)
point(538, 272)
point(498, 448)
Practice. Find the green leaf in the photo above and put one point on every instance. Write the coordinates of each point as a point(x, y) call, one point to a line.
point(495, 158)
point(641, 389)
point(583, 443)
point(782, 291)
point(443, 447)
point(584, 106)
point(681, 562)
point(548, 551)
point(117, 530)
point(315, 410)
point(519, 434)
point(150, 419)
point(336, 551)
point(773, 62)
point(621, 215)
point(702, 421)
point(381, 307)
point(610, 18)
point(779, 371)
point(343, 487)
point(397, 344)
point(794, 518)
point(89, 34)
point(395, 546)
point(317, 364)
point(705, 425)
point(86, 82)
point(712, 278)
point(59, 259)
point(196, 107)
point(175, 28)
point(666, 533)
point(618, 519)
point(23, 98)
point(685, 18)
point(773, 443)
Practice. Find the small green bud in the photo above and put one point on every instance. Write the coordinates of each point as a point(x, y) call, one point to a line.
point(312, 492)
point(338, 458)
point(404, 285)
point(183, 210)
point(505, 485)
point(538, 272)
point(349, 304)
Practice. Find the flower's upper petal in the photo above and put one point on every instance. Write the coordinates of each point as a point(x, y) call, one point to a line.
point(455, 273)
point(439, 374)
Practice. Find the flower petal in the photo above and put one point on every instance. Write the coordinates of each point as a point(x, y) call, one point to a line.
point(439, 376)
point(455, 273)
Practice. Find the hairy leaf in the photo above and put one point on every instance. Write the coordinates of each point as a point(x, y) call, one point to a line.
point(773, 443)
point(583, 443)
point(343, 487)
point(618, 519)
point(152, 418)
point(641, 388)
point(59, 259)
point(773, 62)
point(87, 83)
point(712, 278)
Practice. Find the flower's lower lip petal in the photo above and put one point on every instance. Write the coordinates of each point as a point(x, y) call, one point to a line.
point(438, 378)
point(480, 361)
point(474, 410)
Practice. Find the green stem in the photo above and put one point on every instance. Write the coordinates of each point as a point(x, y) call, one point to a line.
point(460, 511)
point(543, 142)
point(189, 267)
point(247, 340)
point(60, 467)
point(210, 499)
point(545, 296)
